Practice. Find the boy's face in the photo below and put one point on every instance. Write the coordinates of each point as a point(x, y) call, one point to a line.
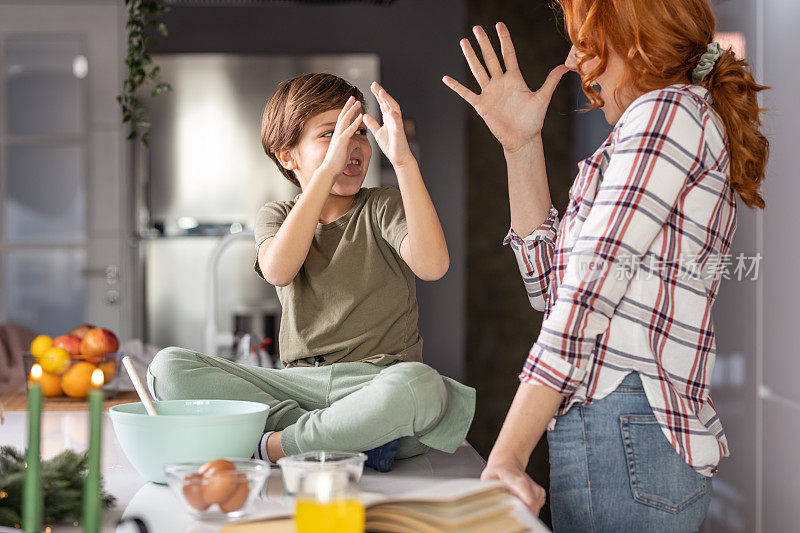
point(309, 153)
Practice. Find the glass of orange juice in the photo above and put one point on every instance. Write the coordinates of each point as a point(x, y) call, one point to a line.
point(327, 501)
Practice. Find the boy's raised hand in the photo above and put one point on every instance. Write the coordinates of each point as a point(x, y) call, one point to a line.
point(391, 137)
point(347, 124)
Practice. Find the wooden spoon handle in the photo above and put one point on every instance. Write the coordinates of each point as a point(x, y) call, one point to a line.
point(140, 388)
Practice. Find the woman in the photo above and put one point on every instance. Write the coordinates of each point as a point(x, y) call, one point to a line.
point(621, 370)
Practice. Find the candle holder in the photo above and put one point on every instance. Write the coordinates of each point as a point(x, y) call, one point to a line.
point(110, 387)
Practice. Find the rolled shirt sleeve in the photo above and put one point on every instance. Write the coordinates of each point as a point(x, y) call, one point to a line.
point(534, 255)
point(658, 151)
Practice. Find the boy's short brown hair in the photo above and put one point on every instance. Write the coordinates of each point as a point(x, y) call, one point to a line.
point(294, 103)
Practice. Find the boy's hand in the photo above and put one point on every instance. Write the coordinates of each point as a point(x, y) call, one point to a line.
point(391, 137)
point(339, 148)
point(424, 249)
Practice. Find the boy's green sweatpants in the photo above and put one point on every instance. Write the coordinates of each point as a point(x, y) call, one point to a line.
point(342, 406)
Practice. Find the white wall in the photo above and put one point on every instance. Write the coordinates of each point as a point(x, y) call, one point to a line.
point(757, 487)
point(779, 509)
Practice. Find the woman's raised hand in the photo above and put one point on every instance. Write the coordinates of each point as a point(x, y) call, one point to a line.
point(347, 124)
point(391, 136)
point(513, 113)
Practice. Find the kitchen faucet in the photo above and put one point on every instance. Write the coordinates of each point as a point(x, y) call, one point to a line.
point(214, 338)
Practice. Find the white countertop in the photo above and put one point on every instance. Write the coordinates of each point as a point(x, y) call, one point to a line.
point(161, 510)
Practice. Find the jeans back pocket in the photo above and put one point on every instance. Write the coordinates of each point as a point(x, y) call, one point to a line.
point(659, 477)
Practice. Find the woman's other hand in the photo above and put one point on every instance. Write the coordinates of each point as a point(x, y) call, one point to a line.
point(513, 113)
point(533, 407)
point(518, 483)
point(391, 136)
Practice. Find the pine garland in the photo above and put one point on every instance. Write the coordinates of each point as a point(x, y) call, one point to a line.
point(62, 481)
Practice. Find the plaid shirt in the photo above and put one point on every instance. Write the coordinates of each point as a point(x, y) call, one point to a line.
point(627, 280)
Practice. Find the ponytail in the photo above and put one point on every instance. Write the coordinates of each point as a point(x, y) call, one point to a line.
point(735, 95)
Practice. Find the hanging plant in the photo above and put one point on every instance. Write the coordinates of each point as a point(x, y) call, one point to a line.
point(143, 17)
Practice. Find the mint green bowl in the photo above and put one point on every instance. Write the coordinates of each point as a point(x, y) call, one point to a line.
point(187, 430)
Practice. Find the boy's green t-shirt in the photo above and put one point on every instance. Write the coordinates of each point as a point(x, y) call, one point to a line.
point(354, 298)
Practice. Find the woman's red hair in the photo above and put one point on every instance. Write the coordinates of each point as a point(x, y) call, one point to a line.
point(661, 43)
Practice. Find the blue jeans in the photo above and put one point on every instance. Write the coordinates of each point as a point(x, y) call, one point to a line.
point(612, 469)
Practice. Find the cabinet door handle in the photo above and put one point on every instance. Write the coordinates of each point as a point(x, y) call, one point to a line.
point(110, 272)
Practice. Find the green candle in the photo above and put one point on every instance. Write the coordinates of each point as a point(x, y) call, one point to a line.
point(32, 491)
point(91, 487)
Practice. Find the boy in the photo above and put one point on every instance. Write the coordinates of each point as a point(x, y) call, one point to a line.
point(343, 261)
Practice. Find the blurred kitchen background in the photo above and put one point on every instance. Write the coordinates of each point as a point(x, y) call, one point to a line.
point(154, 244)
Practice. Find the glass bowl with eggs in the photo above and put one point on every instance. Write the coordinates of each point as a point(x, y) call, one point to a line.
point(220, 489)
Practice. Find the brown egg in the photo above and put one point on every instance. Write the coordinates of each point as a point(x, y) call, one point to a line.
point(216, 464)
point(193, 492)
point(219, 480)
point(236, 500)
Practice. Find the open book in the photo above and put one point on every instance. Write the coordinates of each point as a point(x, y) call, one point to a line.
point(433, 506)
point(457, 505)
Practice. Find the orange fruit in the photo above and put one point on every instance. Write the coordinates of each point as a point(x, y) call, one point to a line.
point(55, 360)
point(77, 381)
point(109, 369)
point(51, 384)
point(40, 344)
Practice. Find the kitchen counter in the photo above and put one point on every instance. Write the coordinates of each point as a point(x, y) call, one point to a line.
point(161, 510)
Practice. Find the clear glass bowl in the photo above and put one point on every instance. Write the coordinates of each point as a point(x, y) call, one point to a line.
point(293, 466)
point(110, 388)
point(194, 490)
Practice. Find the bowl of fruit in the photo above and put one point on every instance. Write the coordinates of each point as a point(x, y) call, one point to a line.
point(68, 361)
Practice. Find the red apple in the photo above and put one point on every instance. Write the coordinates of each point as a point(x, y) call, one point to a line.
point(81, 330)
point(70, 343)
point(98, 342)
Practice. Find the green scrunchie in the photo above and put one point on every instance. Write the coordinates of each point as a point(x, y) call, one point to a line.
point(706, 63)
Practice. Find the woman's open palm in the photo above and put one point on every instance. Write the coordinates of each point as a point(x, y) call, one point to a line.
point(513, 113)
